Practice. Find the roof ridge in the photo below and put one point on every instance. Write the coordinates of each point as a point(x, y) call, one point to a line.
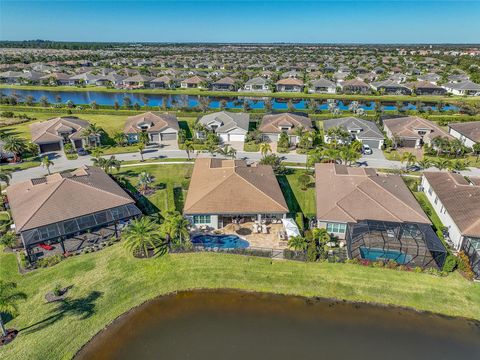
point(253, 186)
point(43, 203)
point(375, 201)
point(96, 188)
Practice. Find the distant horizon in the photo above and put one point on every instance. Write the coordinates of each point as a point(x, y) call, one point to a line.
point(361, 22)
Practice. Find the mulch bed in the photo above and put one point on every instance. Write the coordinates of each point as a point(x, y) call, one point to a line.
point(11, 335)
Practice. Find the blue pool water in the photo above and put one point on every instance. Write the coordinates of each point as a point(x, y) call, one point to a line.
point(380, 254)
point(220, 241)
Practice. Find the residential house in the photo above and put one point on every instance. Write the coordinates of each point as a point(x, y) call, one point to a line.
point(425, 88)
point(162, 82)
point(224, 84)
point(390, 87)
point(412, 131)
point(160, 127)
point(376, 216)
point(364, 131)
point(137, 81)
point(57, 78)
point(273, 125)
point(227, 125)
point(463, 88)
point(355, 86)
point(290, 85)
point(456, 200)
point(53, 134)
point(224, 191)
point(322, 86)
point(467, 132)
point(58, 208)
point(192, 82)
point(431, 78)
point(11, 77)
point(257, 84)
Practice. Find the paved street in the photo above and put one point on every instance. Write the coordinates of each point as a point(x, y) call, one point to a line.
point(376, 160)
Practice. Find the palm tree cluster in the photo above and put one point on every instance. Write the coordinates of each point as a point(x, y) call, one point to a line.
point(106, 164)
point(9, 296)
point(444, 146)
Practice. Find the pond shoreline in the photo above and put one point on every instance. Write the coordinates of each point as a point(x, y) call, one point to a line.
point(309, 300)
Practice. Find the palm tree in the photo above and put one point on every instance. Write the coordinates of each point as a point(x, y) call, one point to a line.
point(119, 138)
point(442, 164)
point(265, 148)
point(297, 243)
point(96, 152)
point(92, 132)
point(408, 158)
point(330, 154)
point(47, 163)
point(457, 165)
point(14, 145)
point(424, 163)
point(142, 235)
point(144, 180)
point(141, 147)
point(349, 155)
point(5, 176)
point(175, 228)
point(188, 147)
point(322, 235)
point(112, 163)
point(8, 298)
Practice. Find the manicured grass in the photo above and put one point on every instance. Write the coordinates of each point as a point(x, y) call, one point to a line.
point(123, 282)
point(298, 200)
point(172, 176)
point(21, 166)
point(234, 93)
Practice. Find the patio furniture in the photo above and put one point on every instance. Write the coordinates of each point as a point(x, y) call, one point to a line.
point(264, 229)
point(46, 247)
point(255, 228)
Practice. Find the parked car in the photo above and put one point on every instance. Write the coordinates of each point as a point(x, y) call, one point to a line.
point(82, 152)
point(366, 149)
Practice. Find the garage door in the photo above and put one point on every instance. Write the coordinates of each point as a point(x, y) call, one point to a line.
point(50, 147)
point(269, 138)
point(408, 143)
point(155, 138)
point(169, 136)
point(236, 137)
point(224, 137)
point(374, 144)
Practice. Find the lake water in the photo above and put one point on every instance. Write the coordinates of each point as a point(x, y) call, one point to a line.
point(234, 325)
point(190, 101)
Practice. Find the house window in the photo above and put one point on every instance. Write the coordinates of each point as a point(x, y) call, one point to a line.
point(436, 200)
point(336, 228)
point(201, 219)
point(430, 191)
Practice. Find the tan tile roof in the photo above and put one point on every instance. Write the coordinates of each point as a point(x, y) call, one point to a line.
point(47, 131)
point(290, 81)
point(158, 121)
point(231, 187)
point(194, 80)
point(406, 127)
point(469, 129)
point(59, 197)
point(346, 194)
point(460, 198)
point(271, 123)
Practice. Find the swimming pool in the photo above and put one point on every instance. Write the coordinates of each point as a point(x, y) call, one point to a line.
point(374, 254)
point(220, 241)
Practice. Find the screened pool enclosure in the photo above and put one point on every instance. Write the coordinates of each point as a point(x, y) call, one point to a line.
point(410, 244)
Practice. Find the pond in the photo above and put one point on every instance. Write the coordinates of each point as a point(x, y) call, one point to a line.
point(233, 325)
point(220, 241)
point(192, 101)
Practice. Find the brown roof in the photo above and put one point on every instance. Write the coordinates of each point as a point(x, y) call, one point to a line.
point(460, 198)
point(194, 80)
point(354, 82)
point(47, 131)
point(226, 80)
point(58, 197)
point(470, 129)
point(290, 81)
point(347, 194)
point(272, 123)
point(231, 187)
point(158, 122)
point(406, 127)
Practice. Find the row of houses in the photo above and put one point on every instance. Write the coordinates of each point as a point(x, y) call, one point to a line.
point(374, 214)
point(256, 84)
point(163, 128)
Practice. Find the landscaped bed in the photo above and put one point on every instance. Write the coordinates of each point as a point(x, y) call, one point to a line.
point(110, 282)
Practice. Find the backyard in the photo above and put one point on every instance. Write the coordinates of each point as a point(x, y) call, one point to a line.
point(108, 283)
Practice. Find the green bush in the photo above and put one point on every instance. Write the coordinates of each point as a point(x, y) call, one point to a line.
point(49, 261)
point(450, 264)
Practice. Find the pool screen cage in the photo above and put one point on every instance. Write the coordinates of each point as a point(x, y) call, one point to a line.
point(417, 244)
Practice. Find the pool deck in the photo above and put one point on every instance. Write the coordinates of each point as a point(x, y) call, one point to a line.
point(270, 240)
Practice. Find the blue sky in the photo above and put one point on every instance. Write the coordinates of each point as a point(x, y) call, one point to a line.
point(361, 21)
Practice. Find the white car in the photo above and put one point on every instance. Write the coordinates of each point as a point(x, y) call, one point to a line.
point(366, 149)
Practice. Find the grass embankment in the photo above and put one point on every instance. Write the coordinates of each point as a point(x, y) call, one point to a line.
point(110, 282)
point(390, 98)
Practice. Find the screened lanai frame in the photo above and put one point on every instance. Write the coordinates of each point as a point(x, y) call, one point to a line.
point(63, 229)
point(471, 246)
point(417, 243)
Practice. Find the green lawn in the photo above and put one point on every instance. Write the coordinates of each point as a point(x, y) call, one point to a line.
point(110, 282)
point(21, 166)
point(298, 200)
point(173, 176)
